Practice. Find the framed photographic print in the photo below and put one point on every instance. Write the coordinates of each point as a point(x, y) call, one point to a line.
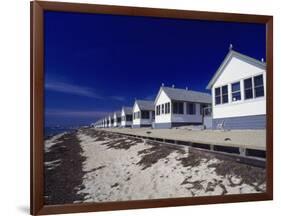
point(142, 108)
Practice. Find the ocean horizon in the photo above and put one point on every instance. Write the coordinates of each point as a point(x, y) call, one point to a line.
point(50, 131)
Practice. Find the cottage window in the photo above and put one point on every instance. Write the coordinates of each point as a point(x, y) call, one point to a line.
point(259, 89)
point(163, 111)
point(153, 114)
point(191, 108)
point(236, 93)
point(217, 96)
point(128, 117)
point(145, 114)
point(178, 107)
point(119, 119)
point(157, 110)
point(167, 108)
point(224, 91)
point(248, 88)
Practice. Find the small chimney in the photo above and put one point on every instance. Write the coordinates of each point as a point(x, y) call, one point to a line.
point(163, 84)
point(262, 60)
point(173, 86)
point(230, 46)
point(186, 88)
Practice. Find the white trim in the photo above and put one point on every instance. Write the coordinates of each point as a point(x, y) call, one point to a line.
point(227, 59)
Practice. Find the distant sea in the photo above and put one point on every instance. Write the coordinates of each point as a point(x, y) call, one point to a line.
point(52, 131)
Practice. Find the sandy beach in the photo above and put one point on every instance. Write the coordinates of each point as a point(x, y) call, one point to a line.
point(100, 166)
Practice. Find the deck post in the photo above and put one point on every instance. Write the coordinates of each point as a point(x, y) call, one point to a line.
point(242, 151)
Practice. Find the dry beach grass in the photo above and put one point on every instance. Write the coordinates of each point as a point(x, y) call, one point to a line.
point(99, 166)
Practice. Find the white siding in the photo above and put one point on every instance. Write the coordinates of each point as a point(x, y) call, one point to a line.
point(109, 125)
point(115, 120)
point(162, 99)
point(116, 123)
point(136, 109)
point(238, 70)
point(123, 122)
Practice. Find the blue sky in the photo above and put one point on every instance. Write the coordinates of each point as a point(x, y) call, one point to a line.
point(94, 64)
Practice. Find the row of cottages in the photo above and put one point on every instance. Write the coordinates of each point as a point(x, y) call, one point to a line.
point(179, 107)
point(237, 101)
point(239, 93)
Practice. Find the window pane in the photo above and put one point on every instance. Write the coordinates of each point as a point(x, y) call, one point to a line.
point(180, 104)
point(218, 100)
point(248, 83)
point(168, 104)
point(175, 107)
point(259, 91)
point(235, 86)
point(225, 94)
point(258, 80)
point(224, 89)
point(190, 108)
point(236, 96)
point(225, 98)
point(248, 93)
point(145, 114)
point(217, 91)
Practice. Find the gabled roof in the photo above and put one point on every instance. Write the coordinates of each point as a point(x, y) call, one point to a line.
point(145, 104)
point(186, 95)
point(117, 113)
point(227, 59)
point(128, 110)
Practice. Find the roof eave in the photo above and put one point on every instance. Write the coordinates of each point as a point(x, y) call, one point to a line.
point(230, 54)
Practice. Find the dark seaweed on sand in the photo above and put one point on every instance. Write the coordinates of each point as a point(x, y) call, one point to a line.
point(62, 183)
point(158, 151)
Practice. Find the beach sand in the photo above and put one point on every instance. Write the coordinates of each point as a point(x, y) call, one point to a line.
point(110, 167)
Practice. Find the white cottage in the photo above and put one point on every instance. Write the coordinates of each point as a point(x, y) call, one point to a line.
point(105, 122)
point(143, 113)
point(239, 93)
point(126, 117)
point(177, 107)
point(117, 119)
point(110, 120)
point(98, 124)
